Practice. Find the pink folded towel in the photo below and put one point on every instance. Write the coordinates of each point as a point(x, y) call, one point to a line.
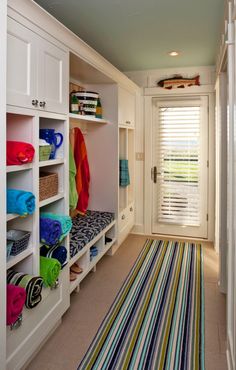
point(16, 297)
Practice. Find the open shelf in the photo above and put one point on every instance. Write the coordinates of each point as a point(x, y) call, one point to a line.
point(22, 167)
point(12, 216)
point(13, 260)
point(51, 162)
point(51, 199)
point(79, 117)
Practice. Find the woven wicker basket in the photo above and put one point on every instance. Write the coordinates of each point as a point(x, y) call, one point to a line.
point(48, 185)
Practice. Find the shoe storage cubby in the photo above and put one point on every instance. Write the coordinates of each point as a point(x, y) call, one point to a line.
point(24, 126)
point(55, 132)
point(85, 257)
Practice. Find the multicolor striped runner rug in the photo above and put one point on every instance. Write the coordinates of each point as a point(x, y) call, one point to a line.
point(157, 319)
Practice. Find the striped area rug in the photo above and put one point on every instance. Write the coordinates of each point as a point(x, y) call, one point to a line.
point(157, 319)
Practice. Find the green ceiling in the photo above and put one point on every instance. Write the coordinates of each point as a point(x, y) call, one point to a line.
point(137, 34)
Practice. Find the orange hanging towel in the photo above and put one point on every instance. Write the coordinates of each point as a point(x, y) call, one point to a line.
point(83, 174)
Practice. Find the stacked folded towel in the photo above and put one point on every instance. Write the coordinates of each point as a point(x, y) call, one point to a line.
point(124, 173)
point(57, 251)
point(65, 221)
point(49, 270)
point(16, 297)
point(32, 284)
point(93, 252)
point(19, 153)
point(20, 202)
point(50, 231)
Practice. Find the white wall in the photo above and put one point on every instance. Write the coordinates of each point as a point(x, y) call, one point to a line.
point(3, 13)
point(145, 79)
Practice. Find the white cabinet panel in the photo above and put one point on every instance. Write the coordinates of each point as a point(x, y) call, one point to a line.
point(21, 65)
point(53, 78)
point(37, 75)
point(126, 108)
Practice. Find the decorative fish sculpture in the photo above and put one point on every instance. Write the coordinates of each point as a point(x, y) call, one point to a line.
point(179, 82)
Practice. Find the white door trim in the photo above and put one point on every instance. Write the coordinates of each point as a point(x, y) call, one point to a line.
point(148, 124)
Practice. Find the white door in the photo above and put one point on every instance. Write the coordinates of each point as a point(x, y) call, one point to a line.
point(180, 167)
point(21, 65)
point(53, 87)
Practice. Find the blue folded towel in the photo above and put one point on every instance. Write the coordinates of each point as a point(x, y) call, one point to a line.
point(59, 252)
point(20, 202)
point(50, 231)
point(124, 172)
point(65, 221)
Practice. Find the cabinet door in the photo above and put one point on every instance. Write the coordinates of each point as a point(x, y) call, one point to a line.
point(21, 65)
point(53, 77)
point(126, 110)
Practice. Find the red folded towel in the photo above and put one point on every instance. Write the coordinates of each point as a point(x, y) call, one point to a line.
point(19, 153)
point(16, 297)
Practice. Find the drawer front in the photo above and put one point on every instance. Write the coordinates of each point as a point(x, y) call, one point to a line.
point(126, 217)
point(123, 219)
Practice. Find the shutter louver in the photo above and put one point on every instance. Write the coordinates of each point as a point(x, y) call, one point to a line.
point(178, 153)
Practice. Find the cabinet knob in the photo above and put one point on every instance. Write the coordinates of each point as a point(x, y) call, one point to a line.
point(35, 102)
point(42, 104)
point(123, 217)
point(128, 122)
point(131, 209)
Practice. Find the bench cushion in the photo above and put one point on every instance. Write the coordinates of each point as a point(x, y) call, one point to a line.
point(85, 228)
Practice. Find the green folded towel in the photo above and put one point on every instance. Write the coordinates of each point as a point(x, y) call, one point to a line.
point(49, 270)
point(73, 195)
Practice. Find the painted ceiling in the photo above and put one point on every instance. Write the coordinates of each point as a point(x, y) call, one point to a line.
point(138, 34)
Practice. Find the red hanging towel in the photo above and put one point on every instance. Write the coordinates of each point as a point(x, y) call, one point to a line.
point(83, 174)
point(19, 153)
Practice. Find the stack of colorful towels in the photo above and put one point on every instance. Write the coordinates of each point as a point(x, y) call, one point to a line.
point(53, 229)
point(32, 285)
point(124, 172)
point(93, 252)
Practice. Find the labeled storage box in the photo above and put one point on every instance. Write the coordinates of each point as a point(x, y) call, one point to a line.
point(48, 185)
point(19, 241)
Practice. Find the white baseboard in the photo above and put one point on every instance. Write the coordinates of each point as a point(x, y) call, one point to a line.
point(138, 229)
point(229, 360)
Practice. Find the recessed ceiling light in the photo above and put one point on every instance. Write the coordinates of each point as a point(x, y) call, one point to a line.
point(173, 53)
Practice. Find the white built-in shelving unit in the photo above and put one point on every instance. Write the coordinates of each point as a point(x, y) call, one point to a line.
point(126, 119)
point(37, 97)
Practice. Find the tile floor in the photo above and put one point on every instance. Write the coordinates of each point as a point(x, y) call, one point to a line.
point(66, 347)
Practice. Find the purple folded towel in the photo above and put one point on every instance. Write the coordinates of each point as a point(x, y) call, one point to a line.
point(50, 231)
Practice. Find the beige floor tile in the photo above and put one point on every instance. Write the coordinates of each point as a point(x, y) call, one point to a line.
point(215, 361)
point(212, 341)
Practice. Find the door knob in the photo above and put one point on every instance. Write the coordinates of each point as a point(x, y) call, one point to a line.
point(35, 102)
point(42, 104)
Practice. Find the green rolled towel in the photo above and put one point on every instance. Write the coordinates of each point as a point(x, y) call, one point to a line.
point(49, 270)
point(73, 195)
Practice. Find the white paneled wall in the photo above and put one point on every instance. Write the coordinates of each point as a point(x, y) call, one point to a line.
point(144, 79)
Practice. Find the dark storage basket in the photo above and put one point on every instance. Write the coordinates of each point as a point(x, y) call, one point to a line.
point(20, 240)
point(48, 185)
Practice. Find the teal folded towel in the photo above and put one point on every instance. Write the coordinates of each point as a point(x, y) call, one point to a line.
point(20, 202)
point(65, 221)
point(124, 172)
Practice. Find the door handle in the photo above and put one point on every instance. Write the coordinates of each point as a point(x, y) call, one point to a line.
point(154, 174)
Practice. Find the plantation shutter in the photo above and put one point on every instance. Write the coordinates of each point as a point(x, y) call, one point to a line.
point(178, 163)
